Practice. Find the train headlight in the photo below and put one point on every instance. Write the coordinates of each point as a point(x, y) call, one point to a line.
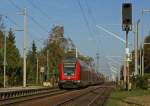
point(72, 74)
point(65, 74)
point(78, 81)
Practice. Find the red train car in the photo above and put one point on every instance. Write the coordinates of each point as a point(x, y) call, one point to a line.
point(74, 73)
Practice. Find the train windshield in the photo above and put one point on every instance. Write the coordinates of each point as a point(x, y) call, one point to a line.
point(69, 69)
point(70, 59)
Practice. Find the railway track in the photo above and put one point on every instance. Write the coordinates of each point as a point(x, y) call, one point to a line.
point(12, 100)
point(101, 98)
point(90, 96)
point(94, 97)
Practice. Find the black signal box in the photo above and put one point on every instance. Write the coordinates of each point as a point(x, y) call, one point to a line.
point(126, 16)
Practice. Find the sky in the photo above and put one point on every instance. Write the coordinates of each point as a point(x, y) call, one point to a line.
point(79, 18)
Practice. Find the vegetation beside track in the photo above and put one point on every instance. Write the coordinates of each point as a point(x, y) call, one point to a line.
point(125, 98)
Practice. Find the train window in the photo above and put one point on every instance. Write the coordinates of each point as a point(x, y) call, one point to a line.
point(70, 58)
point(69, 70)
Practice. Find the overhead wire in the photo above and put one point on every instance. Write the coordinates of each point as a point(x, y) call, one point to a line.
point(90, 12)
point(36, 7)
point(13, 22)
point(85, 19)
point(44, 29)
point(92, 32)
point(31, 17)
point(14, 4)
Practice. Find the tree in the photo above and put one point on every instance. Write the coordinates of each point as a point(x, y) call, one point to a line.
point(1, 57)
point(1, 49)
point(54, 48)
point(13, 56)
point(11, 36)
point(12, 59)
point(56, 54)
point(57, 35)
point(31, 64)
point(33, 53)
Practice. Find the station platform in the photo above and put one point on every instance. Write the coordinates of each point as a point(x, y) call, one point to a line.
point(9, 89)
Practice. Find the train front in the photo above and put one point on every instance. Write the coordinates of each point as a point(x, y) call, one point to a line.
point(69, 73)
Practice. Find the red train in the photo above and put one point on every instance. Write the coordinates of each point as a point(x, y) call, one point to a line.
point(74, 73)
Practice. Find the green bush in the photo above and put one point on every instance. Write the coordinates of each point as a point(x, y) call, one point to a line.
point(140, 82)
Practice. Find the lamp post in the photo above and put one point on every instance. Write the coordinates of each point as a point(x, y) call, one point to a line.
point(143, 10)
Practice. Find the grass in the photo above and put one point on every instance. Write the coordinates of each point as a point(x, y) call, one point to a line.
point(118, 96)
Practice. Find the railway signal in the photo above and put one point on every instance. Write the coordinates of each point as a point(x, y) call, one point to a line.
point(126, 16)
point(126, 26)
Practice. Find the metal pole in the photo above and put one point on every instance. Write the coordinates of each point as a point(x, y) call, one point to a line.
point(124, 73)
point(76, 53)
point(48, 74)
point(97, 58)
point(142, 42)
point(24, 49)
point(140, 60)
point(136, 47)
point(127, 57)
point(37, 71)
point(4, 59)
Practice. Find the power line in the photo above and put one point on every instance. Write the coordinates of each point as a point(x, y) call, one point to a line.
point(14, 4)
point(85, 19)
point(32, 18)
point(41, 27)
point(92, 18)
point(36, 7)
point(90, 30)
point(11, 20)
point(90, 12)
point(38, 23)
point(34, 37)
point(14, 22)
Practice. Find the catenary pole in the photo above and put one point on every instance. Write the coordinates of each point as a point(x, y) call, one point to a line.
point(24, 48)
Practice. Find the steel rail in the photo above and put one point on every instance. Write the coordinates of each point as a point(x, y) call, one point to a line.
point(103, 97)
point(77, 97)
